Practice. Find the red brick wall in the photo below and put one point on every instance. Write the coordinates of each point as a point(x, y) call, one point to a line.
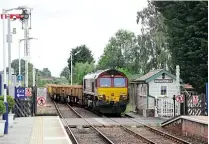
point(197, 129)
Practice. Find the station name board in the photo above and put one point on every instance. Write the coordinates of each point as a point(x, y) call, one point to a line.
point(163, 80)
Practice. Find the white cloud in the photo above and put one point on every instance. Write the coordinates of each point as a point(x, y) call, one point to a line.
point(64, 24)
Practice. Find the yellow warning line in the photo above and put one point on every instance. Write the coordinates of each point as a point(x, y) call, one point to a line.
point(37, 132)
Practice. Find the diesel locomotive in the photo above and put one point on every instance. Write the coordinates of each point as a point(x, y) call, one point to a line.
point(105, 91)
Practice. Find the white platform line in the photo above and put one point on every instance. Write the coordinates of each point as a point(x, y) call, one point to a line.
point(101, 121)
point(66, 135)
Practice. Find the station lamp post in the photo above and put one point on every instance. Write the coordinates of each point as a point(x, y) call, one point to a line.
point(71, 64)
point(19, 75)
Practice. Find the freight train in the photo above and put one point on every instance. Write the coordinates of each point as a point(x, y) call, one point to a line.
point(105, 91)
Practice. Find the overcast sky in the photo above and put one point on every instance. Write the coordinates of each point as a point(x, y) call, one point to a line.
point(65, 24)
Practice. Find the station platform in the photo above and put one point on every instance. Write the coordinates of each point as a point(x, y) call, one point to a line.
point(36, 130)
point(190, 125)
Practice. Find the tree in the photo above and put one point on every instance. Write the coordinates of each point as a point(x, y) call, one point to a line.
point(187, 27)
point(46, 72)
point(153, 48)
point(80, 54)
point(15, 66)
point(80, 70)
point(119, 52)
point(65, 72)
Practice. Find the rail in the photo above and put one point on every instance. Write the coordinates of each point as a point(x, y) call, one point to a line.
point(124, 128)
point(159, 132)
point(66, 123)
point(100, 133)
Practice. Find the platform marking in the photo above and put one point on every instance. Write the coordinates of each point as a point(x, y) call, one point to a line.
point(66, 135)
point(37, 131)
point(101, 121)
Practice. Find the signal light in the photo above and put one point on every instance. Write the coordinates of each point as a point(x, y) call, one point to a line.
point(24, 15)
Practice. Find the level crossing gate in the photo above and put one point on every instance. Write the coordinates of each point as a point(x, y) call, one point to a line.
point(195, 104)
point(165, 107)
point(23, 102)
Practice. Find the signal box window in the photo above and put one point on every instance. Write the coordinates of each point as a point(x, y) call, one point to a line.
point(163, 90)
point(105, 82)
point(119, 82)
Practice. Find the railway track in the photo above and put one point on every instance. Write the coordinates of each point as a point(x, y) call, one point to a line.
point(115, 134)
point(85, 135)
point(157, 136)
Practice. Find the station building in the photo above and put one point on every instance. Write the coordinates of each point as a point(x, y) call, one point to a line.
point(152, 93)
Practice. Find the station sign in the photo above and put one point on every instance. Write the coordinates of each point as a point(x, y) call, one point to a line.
point(20, 93)
point(163, 80)
point(180, 98)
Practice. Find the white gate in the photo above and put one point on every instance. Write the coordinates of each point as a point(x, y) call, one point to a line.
point(165, 107)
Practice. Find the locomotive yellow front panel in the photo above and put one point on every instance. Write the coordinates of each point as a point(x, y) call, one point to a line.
point(112, 94)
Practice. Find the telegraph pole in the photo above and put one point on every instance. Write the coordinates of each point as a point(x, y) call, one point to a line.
point(71, 71)
point(177, 85)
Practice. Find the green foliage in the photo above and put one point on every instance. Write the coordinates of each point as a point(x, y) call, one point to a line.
point(65, 73)
point(187, 27)
point(10, 100)
point(153, 45)
point(119, 52)
point(15, 66)
point(2, 107)
point(80, 70)
point(45, 73)
point(80, 54)
point(61, 80)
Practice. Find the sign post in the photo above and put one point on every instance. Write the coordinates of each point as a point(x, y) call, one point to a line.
point(28, 92)
point(20, 93)
point(180, 98)
point(41, 96)
point(41, 101)
point(195, 99)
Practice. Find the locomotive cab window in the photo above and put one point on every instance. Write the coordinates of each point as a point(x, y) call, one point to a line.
point(119, 82)
point(105, 82)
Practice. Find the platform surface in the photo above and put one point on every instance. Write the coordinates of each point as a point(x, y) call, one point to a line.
point(20, 132)
point(36, 130)
point(199, 119)
point(49, 130)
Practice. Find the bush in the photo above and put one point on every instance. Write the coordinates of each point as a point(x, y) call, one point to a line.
point(10, 100)
point(2, 107)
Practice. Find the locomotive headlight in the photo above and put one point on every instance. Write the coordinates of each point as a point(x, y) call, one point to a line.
point(123, 97)
point(102, 97)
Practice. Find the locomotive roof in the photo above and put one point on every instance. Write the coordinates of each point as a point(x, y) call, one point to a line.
point(96, 74)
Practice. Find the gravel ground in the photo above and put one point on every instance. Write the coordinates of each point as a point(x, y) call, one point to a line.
point(85, 113)
point(48, 109)
point(192, 140)
point(87, 136)
point(120, 136)
point(152, 136)
point(66, 111)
